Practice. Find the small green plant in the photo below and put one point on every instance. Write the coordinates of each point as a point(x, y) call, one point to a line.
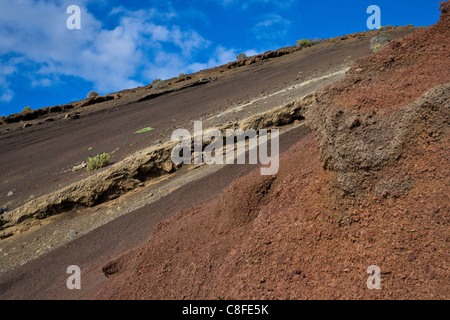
point(97, 162)
point(158, 84)
point(387, 27)
point(26, 109)
point(144, 130)
point(304, 43)
point(377, 48)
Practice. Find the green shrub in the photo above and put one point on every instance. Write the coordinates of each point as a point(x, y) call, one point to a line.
point(97, 162)
point(158, 84)
point(377, 48)
point(389, 27)
point(26, 109)
point(304, 43)
point(241, 56)
point(92, 94)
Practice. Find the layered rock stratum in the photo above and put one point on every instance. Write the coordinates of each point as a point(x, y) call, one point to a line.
point(369, 186)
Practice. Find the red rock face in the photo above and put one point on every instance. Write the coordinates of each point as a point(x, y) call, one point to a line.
point(312, 230)
point(400, 73)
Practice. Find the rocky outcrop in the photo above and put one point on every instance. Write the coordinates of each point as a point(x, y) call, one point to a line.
point(359, 146)
point(379, 195)
point(130, 173)
point(366, 123)
point(108, 184)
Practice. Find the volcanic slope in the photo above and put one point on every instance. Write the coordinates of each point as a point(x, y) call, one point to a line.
point(369, 186)
point(38, 155)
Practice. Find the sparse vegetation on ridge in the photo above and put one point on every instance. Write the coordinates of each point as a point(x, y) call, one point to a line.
point(97, 162)
point(241, 56)
point(92, 94)
point(304, 43)
point(158, 84)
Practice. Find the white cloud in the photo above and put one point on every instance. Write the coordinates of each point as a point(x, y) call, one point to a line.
point(222, 56)
point(45, 82)
point(6, 70)
point(7, 95)
point(142, 46)
point(271, 26)
point(36, 32)
point(251, 52)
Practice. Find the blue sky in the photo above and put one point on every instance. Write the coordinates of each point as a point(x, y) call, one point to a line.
point(124, 44)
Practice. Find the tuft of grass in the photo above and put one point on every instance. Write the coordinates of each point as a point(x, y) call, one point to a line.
point(97, 162)
point(377, 48)
point(304, 43)
point(26, 109)
point(144, 130)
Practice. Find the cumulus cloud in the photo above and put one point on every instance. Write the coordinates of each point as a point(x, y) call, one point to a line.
point(6, 95)
point(251, 52)
point(132, 49)
point(222, 56)
point(6, 70)
point(36, 32)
